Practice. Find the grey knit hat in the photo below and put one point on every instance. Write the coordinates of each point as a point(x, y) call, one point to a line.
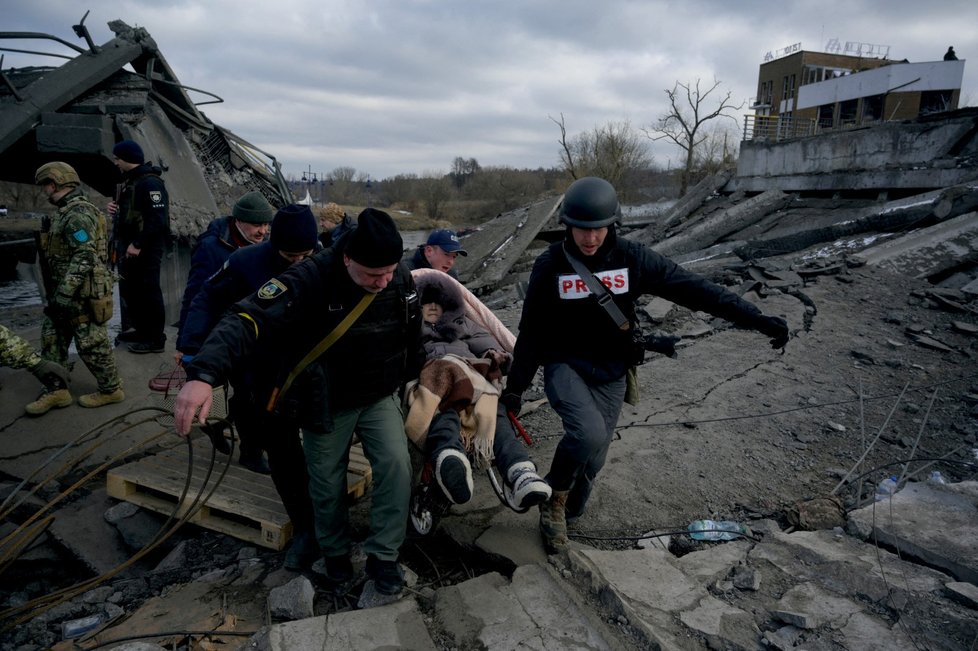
point(253, 208)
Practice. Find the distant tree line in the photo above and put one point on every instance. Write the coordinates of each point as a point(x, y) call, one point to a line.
point(698, 123)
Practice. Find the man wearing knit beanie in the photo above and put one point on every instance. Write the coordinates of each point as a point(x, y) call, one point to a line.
point(141, 228)
point(248, 223)
point(294, 232)
point(332, 380)
point(293, 238)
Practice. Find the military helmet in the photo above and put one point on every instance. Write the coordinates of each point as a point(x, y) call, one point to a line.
point(61, 173)
point(590, 202)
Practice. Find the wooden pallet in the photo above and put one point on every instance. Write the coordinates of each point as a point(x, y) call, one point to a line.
point(245, 504)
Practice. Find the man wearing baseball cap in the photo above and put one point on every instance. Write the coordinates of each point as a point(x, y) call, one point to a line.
point(439, 252)
point(359, 295)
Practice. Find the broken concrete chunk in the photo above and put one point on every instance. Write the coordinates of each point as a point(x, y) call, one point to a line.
point(966, 328)
point(294, 600)
point(930, 342)
point(964, 593)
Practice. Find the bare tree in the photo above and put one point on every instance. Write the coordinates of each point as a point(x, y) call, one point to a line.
point(462, 170)
point(718, 151)
point(435, 190)
point(610, 151)
point(683, 124)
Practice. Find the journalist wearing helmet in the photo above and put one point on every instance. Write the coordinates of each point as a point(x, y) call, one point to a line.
point(585, 365)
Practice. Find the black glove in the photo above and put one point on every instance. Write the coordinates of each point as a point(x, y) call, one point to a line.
point(774, 327)
point(512, 401)
point(662, 344)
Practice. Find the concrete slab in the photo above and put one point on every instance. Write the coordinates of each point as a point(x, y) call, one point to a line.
point(843, 564)
point(645, 587)
point(82, 529)
point(928, 251)
point(715, 562)
point(808, 606)
point(396, 626)
point(724, 626)
point(934, 523)
point(533, 611)
point(515, 537)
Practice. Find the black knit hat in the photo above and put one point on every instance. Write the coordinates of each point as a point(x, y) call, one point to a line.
point(294, 229)
point(375, 242)
point(129, 151)
point(253, 208)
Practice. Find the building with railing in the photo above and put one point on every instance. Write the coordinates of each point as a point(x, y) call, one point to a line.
point(803, 93)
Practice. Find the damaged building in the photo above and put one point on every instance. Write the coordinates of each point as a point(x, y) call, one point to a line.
point(124, 89)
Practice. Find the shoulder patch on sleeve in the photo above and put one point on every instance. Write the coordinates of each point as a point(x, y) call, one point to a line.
point(81, 235)
point(271, 289)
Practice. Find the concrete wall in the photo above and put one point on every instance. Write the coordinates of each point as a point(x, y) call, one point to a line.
point(919, 154)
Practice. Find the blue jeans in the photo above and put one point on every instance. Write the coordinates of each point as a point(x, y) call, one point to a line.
point(381, 429)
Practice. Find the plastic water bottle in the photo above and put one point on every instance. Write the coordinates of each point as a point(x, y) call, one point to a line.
point(886, 488)
point(936, 478)
point(715, 530)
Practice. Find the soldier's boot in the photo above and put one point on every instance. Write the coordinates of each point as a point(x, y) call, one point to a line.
point(100, 399)
point(553, 524)
point(54, 377)
point(49, 400)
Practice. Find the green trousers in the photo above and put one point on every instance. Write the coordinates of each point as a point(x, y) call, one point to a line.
point(380, 426)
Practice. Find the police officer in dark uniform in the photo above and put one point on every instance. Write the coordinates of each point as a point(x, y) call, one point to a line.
point(142, 231)
point(585, 364)
point(286, 328)
point(293, 239)
point(248, 223)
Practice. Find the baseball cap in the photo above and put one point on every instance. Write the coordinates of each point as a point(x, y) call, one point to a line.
point(447, 240)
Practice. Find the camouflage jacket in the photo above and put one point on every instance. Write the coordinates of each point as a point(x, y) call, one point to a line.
point(74, 247)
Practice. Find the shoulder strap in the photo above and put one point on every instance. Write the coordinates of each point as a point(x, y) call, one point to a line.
point(320, 348)
point(600, 292)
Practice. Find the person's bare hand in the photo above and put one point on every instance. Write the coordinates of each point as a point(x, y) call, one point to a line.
point(112, 208)
point(195, 395)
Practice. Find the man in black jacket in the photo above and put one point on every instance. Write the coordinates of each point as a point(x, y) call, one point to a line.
point(142, 230)
point(285, 329)
point(585, 351)
point(293, 239)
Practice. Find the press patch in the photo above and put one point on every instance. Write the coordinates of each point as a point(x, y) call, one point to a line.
point(572, 286)
point(272, 289)
point(80, 235)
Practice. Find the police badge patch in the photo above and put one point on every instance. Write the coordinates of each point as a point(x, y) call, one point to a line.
point(155, 196)
point(272, 289)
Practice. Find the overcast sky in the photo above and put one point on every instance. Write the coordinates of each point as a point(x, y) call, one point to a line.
point(405, 86)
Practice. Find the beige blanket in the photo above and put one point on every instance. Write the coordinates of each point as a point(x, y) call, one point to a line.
point(467, 385)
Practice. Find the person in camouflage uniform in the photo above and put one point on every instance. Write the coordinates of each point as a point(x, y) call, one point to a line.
point(16, 352)
point(73, 249)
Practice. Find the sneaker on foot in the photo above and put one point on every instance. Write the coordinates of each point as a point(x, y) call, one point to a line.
point(303, 551)
point(49, 400)
point(99, 399)
point(142, 347)
point(524, 487)
point(454, 475)
point(387, 575)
